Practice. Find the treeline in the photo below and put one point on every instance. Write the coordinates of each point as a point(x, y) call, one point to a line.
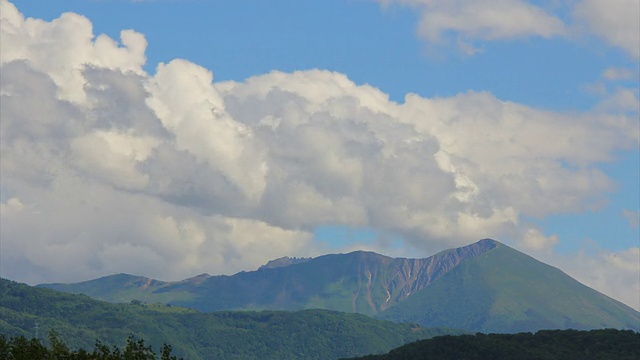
point(20, 348)
point(548, 344)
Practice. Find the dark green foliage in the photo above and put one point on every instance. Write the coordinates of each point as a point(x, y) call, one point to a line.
point(19, 348)
point(308, 334)
point(548, 344)
point(22, 349)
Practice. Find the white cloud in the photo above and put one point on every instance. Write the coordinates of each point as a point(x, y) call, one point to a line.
point(188, 105)
point(620, 98)
point(108, 169)
point(623, 100)
point(61, 48)
point(617, 22)
point(113, 156)
point(468, 21)
point(482, 20)
point(535, 240)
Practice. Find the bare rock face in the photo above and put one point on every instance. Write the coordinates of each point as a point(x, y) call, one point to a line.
point(399, 278)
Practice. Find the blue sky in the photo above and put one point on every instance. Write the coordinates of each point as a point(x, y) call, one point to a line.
point(494, 73)
point(373, 45)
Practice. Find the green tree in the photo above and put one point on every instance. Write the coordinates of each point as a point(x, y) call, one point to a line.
point(23, 349)
point(5, 348)
point(58, 349)
point(136, 350)
point(166, 353)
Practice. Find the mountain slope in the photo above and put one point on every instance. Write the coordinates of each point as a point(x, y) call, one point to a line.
point(485, 286)
point(504, 290)
point(362, 282)
point(121, 288)
point(309, 334)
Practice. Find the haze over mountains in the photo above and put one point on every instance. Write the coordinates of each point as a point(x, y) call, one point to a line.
point(486, 286)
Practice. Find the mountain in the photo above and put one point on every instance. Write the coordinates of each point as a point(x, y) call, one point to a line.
point(309, 334)
point(361, 282)
point(504, 290)
point(485, 286)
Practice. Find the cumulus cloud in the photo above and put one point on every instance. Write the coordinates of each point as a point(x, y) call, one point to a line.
point(106, 168)
point(188, 105)
point(63, 47)
point(617, 22)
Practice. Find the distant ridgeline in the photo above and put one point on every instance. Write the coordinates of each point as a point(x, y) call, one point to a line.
point(483, 287)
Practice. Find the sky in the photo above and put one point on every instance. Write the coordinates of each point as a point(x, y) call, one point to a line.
point(171, 138)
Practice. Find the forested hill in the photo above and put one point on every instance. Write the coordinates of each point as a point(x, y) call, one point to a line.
point(547, 344)
point(310, 334)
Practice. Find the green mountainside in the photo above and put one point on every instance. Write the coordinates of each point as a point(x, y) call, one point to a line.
point(547, 344)
point(505, 290)
point(361, 282)
point(310, 334)
point(485, 286)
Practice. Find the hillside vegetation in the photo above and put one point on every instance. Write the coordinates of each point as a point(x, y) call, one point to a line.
point(310, 334)
point(21, 348)
point(548, 345)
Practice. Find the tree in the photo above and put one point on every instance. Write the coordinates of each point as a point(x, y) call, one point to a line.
point(23, 349)
point(59, 350)
point(5, 348)
point(166, 353)
point(136, 350)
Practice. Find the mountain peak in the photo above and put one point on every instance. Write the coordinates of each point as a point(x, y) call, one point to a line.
point(283, 261)
point(487, 243)
point(472, 250)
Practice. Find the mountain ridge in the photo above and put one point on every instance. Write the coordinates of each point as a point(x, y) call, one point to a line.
point(467, 287)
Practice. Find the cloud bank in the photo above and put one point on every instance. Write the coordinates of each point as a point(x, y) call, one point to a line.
point(106, 168)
